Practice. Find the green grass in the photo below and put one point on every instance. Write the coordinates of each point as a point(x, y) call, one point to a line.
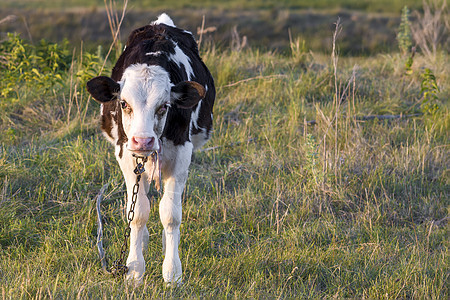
point(278, 209)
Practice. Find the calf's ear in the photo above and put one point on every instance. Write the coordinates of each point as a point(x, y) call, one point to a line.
point(103, 88)
point(187, 94)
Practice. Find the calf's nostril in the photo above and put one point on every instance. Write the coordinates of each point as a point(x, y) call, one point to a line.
point(150, 142)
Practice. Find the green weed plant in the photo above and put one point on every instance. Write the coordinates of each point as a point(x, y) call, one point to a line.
point(429, 90)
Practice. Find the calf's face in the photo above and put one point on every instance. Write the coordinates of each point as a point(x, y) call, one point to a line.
point(145, 96)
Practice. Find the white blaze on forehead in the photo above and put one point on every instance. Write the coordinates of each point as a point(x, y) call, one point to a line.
point(145, 88)
point(182, 59)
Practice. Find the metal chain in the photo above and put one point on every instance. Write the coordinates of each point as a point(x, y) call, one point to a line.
point(119, 268)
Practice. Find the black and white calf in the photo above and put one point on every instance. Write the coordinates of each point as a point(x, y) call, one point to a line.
point(160, 97)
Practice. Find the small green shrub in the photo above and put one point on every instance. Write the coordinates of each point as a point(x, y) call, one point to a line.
point(39, 66)
point(430, 90)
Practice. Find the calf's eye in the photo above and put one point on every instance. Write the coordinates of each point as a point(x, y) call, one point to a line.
point(163, 109)
point(124, 104)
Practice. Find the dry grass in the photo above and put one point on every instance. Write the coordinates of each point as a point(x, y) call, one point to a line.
point(431, 27)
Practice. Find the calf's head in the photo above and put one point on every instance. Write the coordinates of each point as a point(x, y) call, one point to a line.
point(145, 95)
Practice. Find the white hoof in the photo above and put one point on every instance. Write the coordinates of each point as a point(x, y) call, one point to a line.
point(173, 284)
point(135, 272)
point(172, 272)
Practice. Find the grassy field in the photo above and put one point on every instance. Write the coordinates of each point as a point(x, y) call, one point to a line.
point(393, 6)
point(370, 25)
point(297, 195)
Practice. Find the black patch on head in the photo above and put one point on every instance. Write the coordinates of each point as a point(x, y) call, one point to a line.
point(150, 38)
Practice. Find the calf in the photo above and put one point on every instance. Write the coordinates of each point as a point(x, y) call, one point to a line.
point(159, 98)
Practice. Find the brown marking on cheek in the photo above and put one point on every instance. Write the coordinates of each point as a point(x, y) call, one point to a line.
point(122, 137)
point(111, 116)
point(107, 118)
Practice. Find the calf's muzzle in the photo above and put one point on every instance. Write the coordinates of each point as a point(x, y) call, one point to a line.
point(141, 143)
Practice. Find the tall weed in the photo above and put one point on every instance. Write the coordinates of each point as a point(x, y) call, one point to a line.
point(404, 37)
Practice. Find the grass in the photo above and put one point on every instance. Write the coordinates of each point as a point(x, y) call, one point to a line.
point(371, 26)
point(369, 6)
point(273, 208)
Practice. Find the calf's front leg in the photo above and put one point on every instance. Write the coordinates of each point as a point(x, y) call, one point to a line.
point(176, 161)
point(139, 232)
